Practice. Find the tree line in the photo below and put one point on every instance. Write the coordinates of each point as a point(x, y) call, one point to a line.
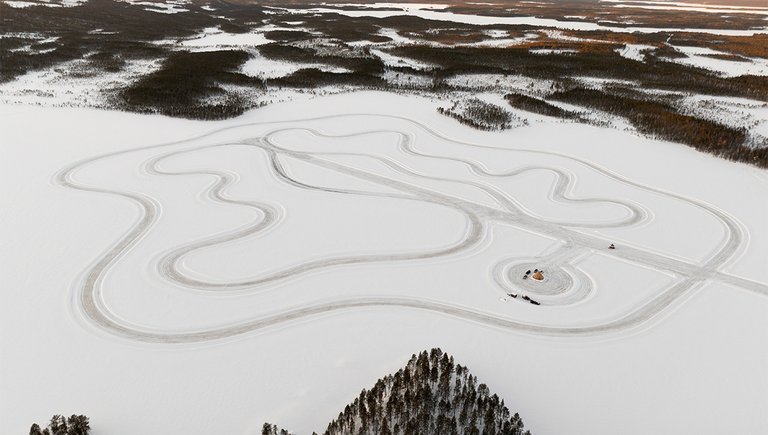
point(60, 425)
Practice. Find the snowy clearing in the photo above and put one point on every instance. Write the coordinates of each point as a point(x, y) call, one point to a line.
point(700, 57)
point(215, 39)
point(45, 3)
point(260, 66)
point(164, 7)
point(73, 83)
point(271, 265)
point(635, 51)
point(396, 61)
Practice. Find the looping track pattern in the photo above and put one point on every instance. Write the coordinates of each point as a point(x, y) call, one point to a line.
point(566, 283)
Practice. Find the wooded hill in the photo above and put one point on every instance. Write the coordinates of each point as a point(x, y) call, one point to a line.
point(431, 395)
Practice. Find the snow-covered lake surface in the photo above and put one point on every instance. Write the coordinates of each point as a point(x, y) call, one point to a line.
point(209, 276)
point(713, 8)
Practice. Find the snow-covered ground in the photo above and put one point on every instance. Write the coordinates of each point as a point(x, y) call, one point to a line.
point(45, 3)
point(73, 83)
point(428, 12)
point(162, 7)
point(713, 8)
point(262, 67)
point(548, 51)
point(699, 57)
point(397, 61)
point(213, 38)
point(505, 82)
point(635, 51)
point(750, 115)
point(208, 276)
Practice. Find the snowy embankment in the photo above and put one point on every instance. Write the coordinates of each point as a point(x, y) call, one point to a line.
point(270, 266)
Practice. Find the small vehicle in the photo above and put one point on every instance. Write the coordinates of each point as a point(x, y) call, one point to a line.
point(612, 246)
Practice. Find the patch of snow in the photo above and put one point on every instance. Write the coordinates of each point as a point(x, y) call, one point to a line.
point(262, 67)
point(698, 57)
point(739, 113)
point(72, 83)
point(552, 51)
point(213, 38)
point(501, 81)
point(101, 32)
point(21, 4)
point(396, 61)
point(601, 82)
point(635, 51)
point(495, 33)
point(164, 7)
point(49, 40)
point(24, 49)
point(561, 36)
point(270, 27)
point(500, 42)
point(396, 37)
point(24, 35)
point(385, 5)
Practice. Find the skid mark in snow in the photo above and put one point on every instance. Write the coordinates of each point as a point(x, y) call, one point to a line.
point(565, 284)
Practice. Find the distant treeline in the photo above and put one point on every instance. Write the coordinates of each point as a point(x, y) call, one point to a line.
point(104, 36)
point(663, 121)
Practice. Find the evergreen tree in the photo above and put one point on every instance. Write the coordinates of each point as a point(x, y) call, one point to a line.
point(58, 425)
point(78, 425)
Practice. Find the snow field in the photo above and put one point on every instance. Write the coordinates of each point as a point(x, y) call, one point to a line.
point(298, 372)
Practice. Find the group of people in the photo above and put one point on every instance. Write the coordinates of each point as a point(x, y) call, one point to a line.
point(538, 275)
